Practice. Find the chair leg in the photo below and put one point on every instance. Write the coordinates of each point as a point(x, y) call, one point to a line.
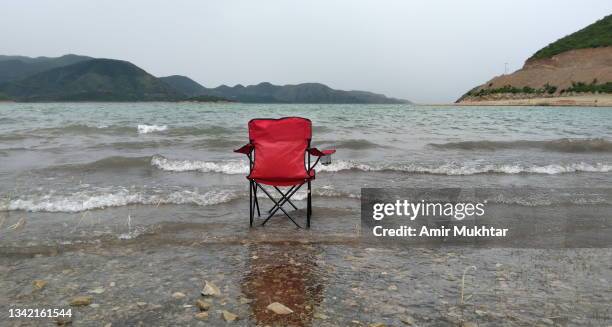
point(279, 205)
point(256, 201)
point(309, 206)
point(283, 197)
point(251, 204)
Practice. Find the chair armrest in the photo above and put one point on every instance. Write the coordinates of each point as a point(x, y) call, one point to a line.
point(318, 153)
point(246, 149)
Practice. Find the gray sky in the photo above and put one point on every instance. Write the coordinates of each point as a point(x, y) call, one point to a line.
point(424, 51)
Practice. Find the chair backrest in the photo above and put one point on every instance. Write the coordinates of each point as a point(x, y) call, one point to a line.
point(280, 147)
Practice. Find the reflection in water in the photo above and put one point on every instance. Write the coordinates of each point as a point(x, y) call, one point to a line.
point(285, 274)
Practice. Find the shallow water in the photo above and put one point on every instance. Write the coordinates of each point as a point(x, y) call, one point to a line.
point(151, 197)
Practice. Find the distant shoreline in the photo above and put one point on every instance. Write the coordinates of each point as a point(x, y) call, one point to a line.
point(217, 102)
point(602, 100)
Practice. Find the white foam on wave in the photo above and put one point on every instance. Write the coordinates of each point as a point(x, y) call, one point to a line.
point(470, 169)
point(451, 169)
point(90, 200)
point(105, 198)
point(225, 167)
point(570, 168)
point(145, 129)
point(231, 167)
point(339, 165)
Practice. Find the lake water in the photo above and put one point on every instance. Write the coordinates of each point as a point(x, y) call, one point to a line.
point(112, 182)
point(76, 157)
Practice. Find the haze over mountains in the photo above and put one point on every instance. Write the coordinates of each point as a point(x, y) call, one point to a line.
point(579, 64)
point(82, 78)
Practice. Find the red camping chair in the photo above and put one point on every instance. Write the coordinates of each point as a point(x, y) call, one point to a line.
point(277, 151)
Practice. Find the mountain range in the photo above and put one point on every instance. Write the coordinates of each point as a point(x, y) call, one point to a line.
point(579, 64)
point(92, 80)
point(269, 93)
point(13, 68)
point(81, 78)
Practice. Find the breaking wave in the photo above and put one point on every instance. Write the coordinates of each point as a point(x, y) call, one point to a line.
point(561, 145)
point(224, 167)
point(187, 130)
point(90, 200)
point(458, 169)
point(234, 167)
point(241, 167)
point(107, 198)
point(468, 169)
point(145, 129)
point(231, 167)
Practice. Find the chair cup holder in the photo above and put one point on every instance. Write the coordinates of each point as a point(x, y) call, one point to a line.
point(326, 160)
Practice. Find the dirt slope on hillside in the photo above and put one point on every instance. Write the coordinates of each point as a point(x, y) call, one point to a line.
point(582, 65)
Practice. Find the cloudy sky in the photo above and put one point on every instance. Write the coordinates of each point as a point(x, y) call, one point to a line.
point(425, 51)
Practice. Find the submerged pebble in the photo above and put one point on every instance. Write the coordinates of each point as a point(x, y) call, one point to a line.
point(203, 305)
point(39, 284)
point(320, 316)
point(201, 315)
point(178, 295)
point(210, 289)
point(81, 300)
point(97, 290)
point(547, 321)
point(228, 316)
point(279, 308)
point(407, 320)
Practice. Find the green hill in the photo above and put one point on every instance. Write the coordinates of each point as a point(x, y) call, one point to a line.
point(184, 84)
point(13, 68)
point(269, 93)
point(92, 80)
point(598, 34)
point(300, 93)
point(581, 66)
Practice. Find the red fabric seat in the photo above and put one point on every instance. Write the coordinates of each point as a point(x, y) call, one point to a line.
point(284, 181)
point(280, 150)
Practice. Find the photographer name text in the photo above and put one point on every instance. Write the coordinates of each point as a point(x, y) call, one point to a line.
point(455, 231)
